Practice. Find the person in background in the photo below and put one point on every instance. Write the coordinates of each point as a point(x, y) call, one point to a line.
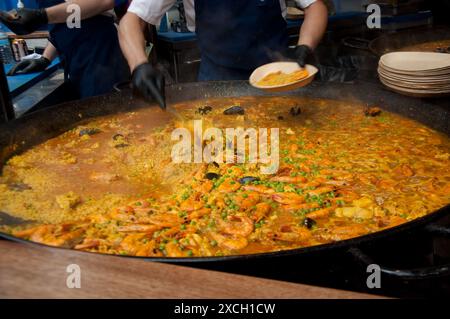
point(234, 37)
point(91, 55)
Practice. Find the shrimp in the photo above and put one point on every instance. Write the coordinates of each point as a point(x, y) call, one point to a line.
point(289, 179)
point(45, 234)
point(247, 200)
point(237, 225)
point(337, 182)
point(41, 232)
point(88, 243)
point(259, 189)
point(67, 240)
point(321, 190)
point(199, 213)
point(295, 207)
point(261, 211)
point(27, 233)
point(345, 232)
point(138, 228)
point(229, 186)
point(164, 220)
point(291, 233)
point(230, 242)
point(190, 205)
point(288, 198)
point(321, 213)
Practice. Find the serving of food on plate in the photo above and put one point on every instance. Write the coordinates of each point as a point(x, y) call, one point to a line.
point(281, 78)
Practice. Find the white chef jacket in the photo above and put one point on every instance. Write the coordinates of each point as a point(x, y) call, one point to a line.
point(152, 11)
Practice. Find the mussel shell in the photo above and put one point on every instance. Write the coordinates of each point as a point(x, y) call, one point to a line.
point(248, 179)
point(295, 111)
point(204, 110)
point(117, 136)
point(89, 131)
point(216, 164)
point(211, 176)
point(234, 110)
point(309, 222)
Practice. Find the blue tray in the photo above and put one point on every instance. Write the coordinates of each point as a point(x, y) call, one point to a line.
point(20, 83)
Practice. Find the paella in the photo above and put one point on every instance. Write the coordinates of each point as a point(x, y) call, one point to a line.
point(111, 186)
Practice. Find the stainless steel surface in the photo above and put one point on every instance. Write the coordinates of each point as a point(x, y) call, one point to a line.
point(25, 101)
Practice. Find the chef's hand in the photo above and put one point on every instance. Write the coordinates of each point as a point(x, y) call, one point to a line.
point(303, 54)
point(24, 21)
point(30, 66)
point(150, 83)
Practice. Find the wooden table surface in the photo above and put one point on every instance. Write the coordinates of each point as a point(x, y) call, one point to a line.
point(31, 271)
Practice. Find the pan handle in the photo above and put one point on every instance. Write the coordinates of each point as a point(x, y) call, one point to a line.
point(356, 43)
point(438, 230)
point(405, 274)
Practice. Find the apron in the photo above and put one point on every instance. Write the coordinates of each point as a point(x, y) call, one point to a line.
point(91, 55)
point(237, 36)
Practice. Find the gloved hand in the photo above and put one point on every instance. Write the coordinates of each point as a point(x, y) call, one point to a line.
point(24, 21)
point(303, 54)
point(150, 83)
point(30, 66)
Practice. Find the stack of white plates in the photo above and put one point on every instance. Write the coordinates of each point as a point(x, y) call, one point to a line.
point(420, 74)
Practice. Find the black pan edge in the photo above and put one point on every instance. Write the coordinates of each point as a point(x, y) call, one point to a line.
point(21, 134)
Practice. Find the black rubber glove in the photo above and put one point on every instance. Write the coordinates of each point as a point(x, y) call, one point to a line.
point(149, 82)
point(24, 21)
point(303, 55)
point(30, 66)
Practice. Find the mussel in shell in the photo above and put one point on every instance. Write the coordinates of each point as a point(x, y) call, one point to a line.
point(248, 179)
point(234, 110)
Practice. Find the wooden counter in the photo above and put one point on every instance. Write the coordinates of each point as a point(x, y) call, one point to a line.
point(34, 35)
point(31, 271)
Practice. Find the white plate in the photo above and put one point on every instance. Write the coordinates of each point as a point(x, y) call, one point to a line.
point(285, 67)
point(418, 94)
point(411, 90)
point(415, 86)
point(445, 71)
point(415, 79)
point(416, 61)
